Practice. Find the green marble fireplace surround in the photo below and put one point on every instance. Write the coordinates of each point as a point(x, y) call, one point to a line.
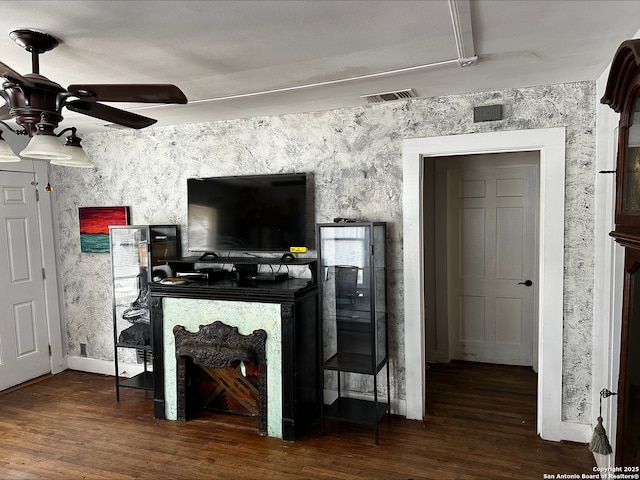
point(247, 317)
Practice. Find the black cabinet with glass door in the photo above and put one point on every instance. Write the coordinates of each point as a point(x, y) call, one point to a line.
point(136, 252)
point(353, 311)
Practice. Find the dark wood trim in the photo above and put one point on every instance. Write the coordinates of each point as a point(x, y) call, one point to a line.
point(632, 265)
point(288, 333)
point(626, 305)
point(622, 94)
point(623, 72)
point(157, 331)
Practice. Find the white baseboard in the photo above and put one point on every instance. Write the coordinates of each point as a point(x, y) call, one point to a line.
point(571, 432)
point(103, 367)
point(576, 432)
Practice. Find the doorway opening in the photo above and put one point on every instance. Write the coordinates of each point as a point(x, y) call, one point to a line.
point(480, 284)
point(550, 143)
point(481, 265)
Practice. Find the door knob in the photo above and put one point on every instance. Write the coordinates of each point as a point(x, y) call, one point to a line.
point(526, 283)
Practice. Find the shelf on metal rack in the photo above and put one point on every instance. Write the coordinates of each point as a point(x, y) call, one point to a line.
point(142, 381)
point(365, 412)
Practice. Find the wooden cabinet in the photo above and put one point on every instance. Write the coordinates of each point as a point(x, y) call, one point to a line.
point(623, 95)
point(353, 308)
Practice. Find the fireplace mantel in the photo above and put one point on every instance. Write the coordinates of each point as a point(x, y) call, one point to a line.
point(285, 310)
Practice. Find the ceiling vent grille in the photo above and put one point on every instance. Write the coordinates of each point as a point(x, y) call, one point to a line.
point(389, 96)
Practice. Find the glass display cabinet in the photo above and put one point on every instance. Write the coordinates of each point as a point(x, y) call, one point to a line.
point(137, 250)
point(353, 309)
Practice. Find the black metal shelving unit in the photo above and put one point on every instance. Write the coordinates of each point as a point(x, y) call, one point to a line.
point(352, 306)
point(135, 251)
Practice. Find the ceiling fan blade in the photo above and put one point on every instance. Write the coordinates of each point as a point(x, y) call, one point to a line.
point(144, 93)
point(4, 112)
point(10, 74)
point(110, 114)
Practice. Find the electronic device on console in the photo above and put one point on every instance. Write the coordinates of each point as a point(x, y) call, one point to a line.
point(208, 275)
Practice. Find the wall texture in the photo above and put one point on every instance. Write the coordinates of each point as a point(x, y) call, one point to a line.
point(355, 157)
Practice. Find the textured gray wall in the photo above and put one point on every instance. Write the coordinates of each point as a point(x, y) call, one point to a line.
point(355, 157)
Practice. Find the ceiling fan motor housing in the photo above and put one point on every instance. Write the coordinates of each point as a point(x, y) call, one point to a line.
point(28, 104)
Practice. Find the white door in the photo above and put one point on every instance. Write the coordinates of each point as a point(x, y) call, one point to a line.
point(490, 224)
point(24, 339)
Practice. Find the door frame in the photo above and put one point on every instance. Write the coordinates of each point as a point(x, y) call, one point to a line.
point(48, 244)
point(550, 142)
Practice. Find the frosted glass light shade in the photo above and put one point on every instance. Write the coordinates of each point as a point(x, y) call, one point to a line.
point(6, 154)
point(78, 158)
point(45, 147)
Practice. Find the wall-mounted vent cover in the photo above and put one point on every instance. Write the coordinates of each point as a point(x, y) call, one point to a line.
point(389, 96)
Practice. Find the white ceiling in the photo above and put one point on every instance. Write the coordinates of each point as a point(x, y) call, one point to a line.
point(248, 58)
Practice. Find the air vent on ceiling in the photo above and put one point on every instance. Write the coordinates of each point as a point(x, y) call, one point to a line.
point(389, 96)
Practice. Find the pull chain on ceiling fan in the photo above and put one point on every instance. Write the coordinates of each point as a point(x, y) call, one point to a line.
point(36, 103)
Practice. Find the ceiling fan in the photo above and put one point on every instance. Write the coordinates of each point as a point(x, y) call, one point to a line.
point(29, 96)
point(36, 103)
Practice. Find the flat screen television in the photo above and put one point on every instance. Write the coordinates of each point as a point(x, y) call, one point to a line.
point(257, 213)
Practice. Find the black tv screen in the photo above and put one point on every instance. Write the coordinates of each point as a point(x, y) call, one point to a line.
point(265, 213)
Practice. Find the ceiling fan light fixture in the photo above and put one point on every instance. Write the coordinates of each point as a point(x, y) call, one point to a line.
point(79, 158)
point(35, 103)
point(44, 145)
point(6, 154)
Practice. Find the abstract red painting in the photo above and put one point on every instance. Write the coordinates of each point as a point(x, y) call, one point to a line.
point(94, 226)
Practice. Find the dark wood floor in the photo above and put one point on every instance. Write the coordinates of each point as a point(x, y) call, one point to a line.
point(481, 425)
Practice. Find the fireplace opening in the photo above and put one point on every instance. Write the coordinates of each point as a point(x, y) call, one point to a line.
point(220, 370)
point(233, 389)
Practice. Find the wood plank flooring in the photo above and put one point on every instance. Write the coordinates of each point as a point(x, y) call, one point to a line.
point(481, 425)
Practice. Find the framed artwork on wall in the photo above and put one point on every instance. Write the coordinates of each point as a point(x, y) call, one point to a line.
point(94, 226)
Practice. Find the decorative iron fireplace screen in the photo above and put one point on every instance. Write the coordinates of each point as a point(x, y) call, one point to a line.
point(220, 346)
